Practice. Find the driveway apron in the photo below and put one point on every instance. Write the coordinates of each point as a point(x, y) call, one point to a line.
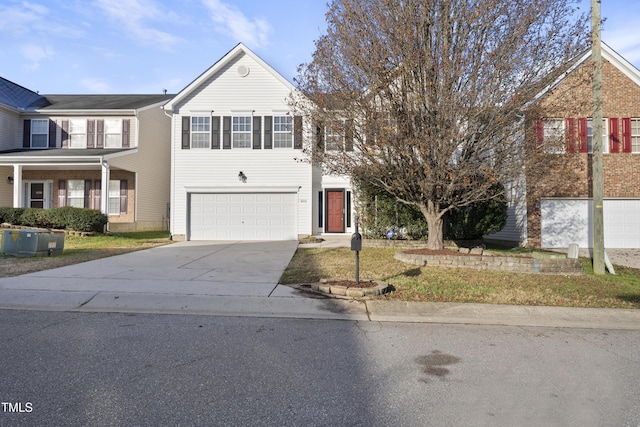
point(185, 268)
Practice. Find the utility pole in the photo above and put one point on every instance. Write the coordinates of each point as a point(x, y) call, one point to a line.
point(598, 181)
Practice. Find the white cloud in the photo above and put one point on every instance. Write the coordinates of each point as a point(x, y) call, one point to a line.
point(35, 54)
point(253, 32)
point(134, 16)
point(95, 85)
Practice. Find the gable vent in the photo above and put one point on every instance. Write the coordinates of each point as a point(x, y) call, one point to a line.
point(243, 71)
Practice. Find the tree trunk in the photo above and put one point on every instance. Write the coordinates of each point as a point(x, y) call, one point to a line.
point(435, 225)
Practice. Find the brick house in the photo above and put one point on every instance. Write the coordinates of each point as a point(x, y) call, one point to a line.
point(557, 208)
point(104, 152)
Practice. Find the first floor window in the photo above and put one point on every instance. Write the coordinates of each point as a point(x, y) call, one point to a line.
point(635, 135)
point(77, 133)
point(114, 197)
point(112, 133)
point(282, 132)
point(75, 193)
point(39, 133)
point(200, 132)
point(241, 131)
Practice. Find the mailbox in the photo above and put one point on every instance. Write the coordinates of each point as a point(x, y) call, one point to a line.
point(356, 242)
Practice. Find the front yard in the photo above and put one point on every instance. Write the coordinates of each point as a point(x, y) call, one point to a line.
point(80, 249)
point(436, 284)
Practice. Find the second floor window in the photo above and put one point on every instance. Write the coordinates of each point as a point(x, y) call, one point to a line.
point(554, 136)
point(77, 133)
point(200, 132)
point(282, 135)
point(334, 137)
point(39, 133)
point(635, 135)
point(241, 131)
point(113, 133)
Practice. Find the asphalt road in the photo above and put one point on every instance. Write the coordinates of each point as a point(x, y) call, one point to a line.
point(106, 369)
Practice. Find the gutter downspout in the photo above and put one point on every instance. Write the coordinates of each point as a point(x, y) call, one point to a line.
point(172, 181)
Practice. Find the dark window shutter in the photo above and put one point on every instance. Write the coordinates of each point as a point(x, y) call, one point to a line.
point(26, 134)
point(215, 133)
point(91, 136)
point(582, 134)
point(626, 135)
point(268, 132)
point(297, 132)
point(62, 193)
point(570, 135)
point(87, 193)
point(100, 133)
point(123, 196)
point(52, 134)
point(186, 133)
point(257, 133)
point(226, 132)
point(320, 136)
point(614, 136)
point(348, 135)
point(65, 134)
point(97, 201)
point(126, 133)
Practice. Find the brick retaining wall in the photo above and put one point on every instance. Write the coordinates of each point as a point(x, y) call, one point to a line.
point(501, 263)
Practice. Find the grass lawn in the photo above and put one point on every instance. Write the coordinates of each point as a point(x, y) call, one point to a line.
point(80, 249)
point(437, 284)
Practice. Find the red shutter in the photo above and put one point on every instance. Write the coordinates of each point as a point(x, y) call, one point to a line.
point(582, 134)
point(570, 136)
point(126, 133)
point(626, 135)
point(62, 193)
point(614, 136)
point(539, 134)
point(123, 196)
point(26, 134)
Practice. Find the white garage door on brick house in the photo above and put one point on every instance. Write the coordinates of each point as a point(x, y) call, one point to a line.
point(566, 221)
point(242, 216)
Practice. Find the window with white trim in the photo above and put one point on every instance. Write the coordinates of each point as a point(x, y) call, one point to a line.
point(605, 136)
point(334, 136)
point(635, 135)
point(39, 133)
point(75, 193)
point(241, 132)
point(282, 132)
point(77, 133)
point(114, 197)
point(112, 133)
point(200, 132)
point(553, 135)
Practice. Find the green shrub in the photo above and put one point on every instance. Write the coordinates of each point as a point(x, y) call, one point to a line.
point(68, 218)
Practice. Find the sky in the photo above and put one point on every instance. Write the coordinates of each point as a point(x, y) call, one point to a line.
point(147, 46)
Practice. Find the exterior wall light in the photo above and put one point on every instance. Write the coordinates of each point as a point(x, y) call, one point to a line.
point(242, 177)
point(10, 180)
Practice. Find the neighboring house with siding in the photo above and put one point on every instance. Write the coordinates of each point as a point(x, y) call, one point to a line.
point(238, 167)
point(104, 152)
point(554, 216)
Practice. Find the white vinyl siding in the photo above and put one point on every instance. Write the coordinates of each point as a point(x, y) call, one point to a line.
point(39, 133)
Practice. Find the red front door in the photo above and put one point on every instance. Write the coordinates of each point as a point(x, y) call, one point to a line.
point(335, 211)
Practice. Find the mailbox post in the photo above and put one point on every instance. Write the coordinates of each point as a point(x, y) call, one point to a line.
point(356, 245)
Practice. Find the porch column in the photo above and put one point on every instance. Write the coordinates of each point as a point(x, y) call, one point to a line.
point(18, 201)
point(104, 195)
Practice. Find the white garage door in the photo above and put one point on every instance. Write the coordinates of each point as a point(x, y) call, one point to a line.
point(567, 221)
point(243, 216)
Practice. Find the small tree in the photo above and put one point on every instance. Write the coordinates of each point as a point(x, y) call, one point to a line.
point(433, 93)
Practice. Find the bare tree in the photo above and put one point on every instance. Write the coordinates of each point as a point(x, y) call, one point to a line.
point(432, 93)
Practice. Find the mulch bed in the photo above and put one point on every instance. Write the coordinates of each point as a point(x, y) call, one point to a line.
point(437, 252)
point(351, 283)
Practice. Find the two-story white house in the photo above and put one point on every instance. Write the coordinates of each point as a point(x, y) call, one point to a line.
point(238, 167)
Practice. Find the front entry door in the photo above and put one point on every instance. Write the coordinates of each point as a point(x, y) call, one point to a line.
point(36, 195)
point(335, 211)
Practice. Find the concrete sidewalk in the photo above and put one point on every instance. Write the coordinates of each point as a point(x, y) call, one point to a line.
point(240, 279)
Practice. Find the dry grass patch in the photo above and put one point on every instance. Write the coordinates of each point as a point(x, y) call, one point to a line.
point(412, 283)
